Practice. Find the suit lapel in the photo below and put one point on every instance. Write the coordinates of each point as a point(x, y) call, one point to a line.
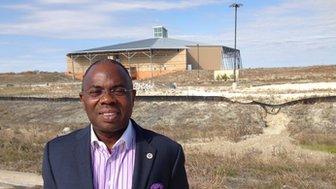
point(83, 157)
point(144, 158)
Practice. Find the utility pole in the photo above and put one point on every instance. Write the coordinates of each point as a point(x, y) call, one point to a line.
point(236, 6)
point(198, 63)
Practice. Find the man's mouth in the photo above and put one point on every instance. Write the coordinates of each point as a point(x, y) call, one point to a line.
point(109, 116)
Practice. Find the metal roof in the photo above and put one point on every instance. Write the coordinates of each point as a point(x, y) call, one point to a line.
point(146, 44)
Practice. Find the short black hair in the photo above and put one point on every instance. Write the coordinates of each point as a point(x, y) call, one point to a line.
point(108, 61)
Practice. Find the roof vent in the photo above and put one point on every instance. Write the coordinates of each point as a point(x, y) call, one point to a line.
point(160, 32)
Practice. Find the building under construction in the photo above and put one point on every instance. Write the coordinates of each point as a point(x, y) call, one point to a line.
point(156, 56)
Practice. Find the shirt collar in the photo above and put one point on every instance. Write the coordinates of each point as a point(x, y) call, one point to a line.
point(126, 137)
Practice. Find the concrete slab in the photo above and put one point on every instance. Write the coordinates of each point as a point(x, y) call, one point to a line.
point(13, 179)
point(6, 186)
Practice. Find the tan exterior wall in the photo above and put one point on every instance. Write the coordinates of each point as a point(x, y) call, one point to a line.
point(78, 65)
point(140, 66)
point(210, 57)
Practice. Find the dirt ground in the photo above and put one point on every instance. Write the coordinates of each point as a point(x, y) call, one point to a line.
point(227, 144)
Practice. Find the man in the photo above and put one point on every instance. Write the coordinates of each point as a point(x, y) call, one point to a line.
point(113, 151)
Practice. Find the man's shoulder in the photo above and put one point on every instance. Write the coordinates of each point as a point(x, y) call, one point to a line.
point(70, 138)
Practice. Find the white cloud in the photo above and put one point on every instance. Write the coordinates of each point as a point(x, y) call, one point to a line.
point(26, 7)
point(64, 1)
point(86, 19)
point(62, 23)
point(119, 5)
point(292, 20)
point(152, 5)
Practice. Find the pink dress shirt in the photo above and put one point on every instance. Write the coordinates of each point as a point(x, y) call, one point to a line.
point(113, 170)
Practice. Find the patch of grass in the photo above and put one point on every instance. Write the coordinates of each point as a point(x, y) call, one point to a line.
point(20, 155)
point(321, 147)
point(313, 126)
point(21, 146)
point(186, 121)
point(228, 171)
point(21, 150)
point(33, 77)
point(317, 141)
point(251, 171)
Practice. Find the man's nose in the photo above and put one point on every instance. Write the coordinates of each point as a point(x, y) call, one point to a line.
point(108, 98)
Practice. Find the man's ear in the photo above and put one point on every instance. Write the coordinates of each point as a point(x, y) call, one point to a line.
point(81, 97)
point(133, 94)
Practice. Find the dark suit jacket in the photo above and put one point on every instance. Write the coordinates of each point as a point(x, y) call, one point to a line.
point(67, 162)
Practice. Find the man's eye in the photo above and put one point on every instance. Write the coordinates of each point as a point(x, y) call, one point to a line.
point(95, 92)
point(119, 91)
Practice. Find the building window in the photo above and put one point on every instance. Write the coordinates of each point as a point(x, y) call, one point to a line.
point(160, 32)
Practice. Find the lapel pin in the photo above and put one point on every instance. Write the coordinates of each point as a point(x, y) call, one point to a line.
point(149, 155)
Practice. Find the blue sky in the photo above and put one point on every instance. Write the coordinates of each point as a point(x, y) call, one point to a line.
point(37, 34)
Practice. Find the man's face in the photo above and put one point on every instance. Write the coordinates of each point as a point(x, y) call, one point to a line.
point(108, 113)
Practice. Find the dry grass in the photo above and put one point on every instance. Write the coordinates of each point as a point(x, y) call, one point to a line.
point(314, 126)
point(249, 171)
point(186, 121)
point(290, 74)
point(256, 76)
point(32, 77)
point(26, 126)
point(42, 90)
point(21, 148)
point(201, 77)
point(21, 145)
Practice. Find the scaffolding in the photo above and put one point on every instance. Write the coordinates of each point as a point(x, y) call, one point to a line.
point(228, 56)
